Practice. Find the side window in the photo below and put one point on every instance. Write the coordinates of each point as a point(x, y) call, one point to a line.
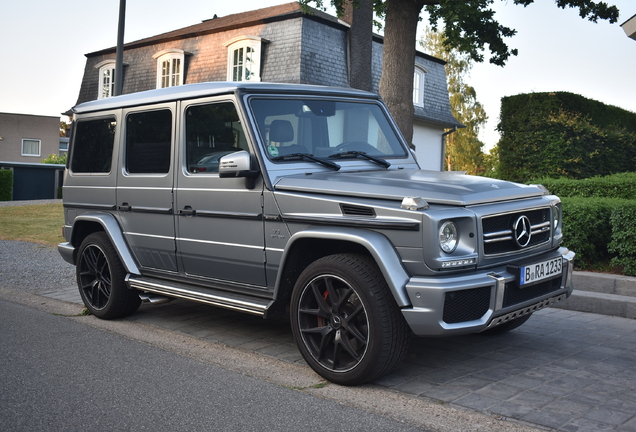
point(212, 131)
point(92, 148)
point(148, 142)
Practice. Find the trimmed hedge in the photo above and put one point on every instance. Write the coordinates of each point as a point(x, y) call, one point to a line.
point(623, 244)
point(6, 184)
point(563, 135)
point(622, 186)
point(599, 219)
point(601, 230)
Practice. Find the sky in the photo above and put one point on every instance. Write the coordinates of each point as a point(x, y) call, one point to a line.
point(45, 42)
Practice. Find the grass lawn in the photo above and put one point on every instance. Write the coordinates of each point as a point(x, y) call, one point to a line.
point(33, 223)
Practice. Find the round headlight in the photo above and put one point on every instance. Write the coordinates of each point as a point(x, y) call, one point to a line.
point(448, 236)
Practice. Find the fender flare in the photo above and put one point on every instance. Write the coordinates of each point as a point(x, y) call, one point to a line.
point(376, 244)
point(113, 230)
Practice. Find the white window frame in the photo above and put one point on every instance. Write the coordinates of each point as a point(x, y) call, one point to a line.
point(240, 45)
point(106, 79)
point(39, 144)
point(419, 78)
point(173, 77)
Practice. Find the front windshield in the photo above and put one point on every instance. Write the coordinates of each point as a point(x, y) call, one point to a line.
point(323, 128)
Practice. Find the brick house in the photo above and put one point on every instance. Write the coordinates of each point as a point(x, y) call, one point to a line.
point(274, 44)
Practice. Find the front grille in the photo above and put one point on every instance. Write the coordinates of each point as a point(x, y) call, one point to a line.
point(514, 295)
point(466, 305)
point(499, 236)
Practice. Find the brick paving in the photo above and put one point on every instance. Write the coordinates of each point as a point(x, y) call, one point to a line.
point(564, 370)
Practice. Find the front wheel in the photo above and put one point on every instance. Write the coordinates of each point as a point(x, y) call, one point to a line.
point(100, 278)
point(345, 320)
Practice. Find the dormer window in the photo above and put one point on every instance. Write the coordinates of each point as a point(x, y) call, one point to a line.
point(106, 84)
point(169, 67)
point(244, 59)
point(418, 87)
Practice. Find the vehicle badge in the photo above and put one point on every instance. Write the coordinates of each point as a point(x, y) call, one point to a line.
point(522, 230)
point(494, 186)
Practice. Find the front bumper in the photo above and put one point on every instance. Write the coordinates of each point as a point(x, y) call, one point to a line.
point(470, 303)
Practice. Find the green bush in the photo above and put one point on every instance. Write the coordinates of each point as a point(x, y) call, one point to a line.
point(587, 229)
point(622, 186)
point(623, 244)
point(6, 184)
point(563, 135)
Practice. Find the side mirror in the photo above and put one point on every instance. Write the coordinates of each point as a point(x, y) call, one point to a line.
point(238, 164)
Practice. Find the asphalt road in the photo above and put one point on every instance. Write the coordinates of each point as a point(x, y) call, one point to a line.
point(60, 374)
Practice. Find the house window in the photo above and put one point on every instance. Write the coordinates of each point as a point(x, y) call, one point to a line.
point(418, 87)
point(31, 147)
point(169, 68)
point(106, 84)
point(244, 59)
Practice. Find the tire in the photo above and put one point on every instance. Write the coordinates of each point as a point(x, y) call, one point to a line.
point(506, 327)
point(100, 279)
point(345, 321)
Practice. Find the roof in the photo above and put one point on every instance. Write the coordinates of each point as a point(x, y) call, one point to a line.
point(234, 21)
point(189, 91)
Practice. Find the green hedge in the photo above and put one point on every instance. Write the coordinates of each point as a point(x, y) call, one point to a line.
point(622, 186)
point(601, 230)
point(6, 184)
point(623, 244)
point(563, 135)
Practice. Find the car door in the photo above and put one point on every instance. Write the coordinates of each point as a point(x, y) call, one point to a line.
point(145, 183)
point(219, 220)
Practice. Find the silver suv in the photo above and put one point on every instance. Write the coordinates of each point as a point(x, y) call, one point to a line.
point(306, 202)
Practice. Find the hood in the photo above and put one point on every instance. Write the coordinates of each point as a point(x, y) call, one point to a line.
point(450, 188)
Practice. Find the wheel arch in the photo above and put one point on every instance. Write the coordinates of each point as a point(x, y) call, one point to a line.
point(88, 223)
point(309, 245)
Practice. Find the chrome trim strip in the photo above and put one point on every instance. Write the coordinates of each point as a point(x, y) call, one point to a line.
point(91, 206)
point(500, 289)
point(254, 308)
point(229, 215)
point(352, 222)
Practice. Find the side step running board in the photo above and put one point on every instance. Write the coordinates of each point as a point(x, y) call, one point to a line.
point(224, 299)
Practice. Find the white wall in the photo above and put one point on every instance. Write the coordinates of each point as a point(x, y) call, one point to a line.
point(427, 139)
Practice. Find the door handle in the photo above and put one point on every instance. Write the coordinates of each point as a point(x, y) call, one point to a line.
point(125, 207)
point(187, 211)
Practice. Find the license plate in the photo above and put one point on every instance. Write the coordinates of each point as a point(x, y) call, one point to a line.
point(531, 274)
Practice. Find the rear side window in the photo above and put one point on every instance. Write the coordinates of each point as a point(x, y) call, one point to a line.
point(148, 142)
point(92, 150)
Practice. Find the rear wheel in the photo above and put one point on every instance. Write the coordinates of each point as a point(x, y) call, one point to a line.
point(100, 278)
point(345, 320)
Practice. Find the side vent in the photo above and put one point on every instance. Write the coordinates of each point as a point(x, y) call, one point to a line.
point(354, 210)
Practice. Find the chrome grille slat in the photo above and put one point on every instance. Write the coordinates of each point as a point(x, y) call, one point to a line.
point(498, 235)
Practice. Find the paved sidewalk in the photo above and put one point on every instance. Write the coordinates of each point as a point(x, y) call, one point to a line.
point(565, 370)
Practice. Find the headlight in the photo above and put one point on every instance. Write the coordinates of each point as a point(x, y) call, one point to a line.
point(558, 214)
point(448, 237)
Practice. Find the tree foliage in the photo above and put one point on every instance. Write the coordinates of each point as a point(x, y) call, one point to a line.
point(463, 147)
point(55, 159)
point(468, 26)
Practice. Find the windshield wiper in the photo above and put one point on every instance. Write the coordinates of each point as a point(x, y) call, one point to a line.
point(347, 154)
point(305, 156)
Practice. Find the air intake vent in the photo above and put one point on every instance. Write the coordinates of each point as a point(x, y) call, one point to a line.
point(353, 210)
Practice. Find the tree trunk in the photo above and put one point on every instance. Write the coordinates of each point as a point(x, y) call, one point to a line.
point(396, 83)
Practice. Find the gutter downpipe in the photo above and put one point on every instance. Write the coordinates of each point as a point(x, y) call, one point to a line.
point(119, 56)
point(444, 135)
